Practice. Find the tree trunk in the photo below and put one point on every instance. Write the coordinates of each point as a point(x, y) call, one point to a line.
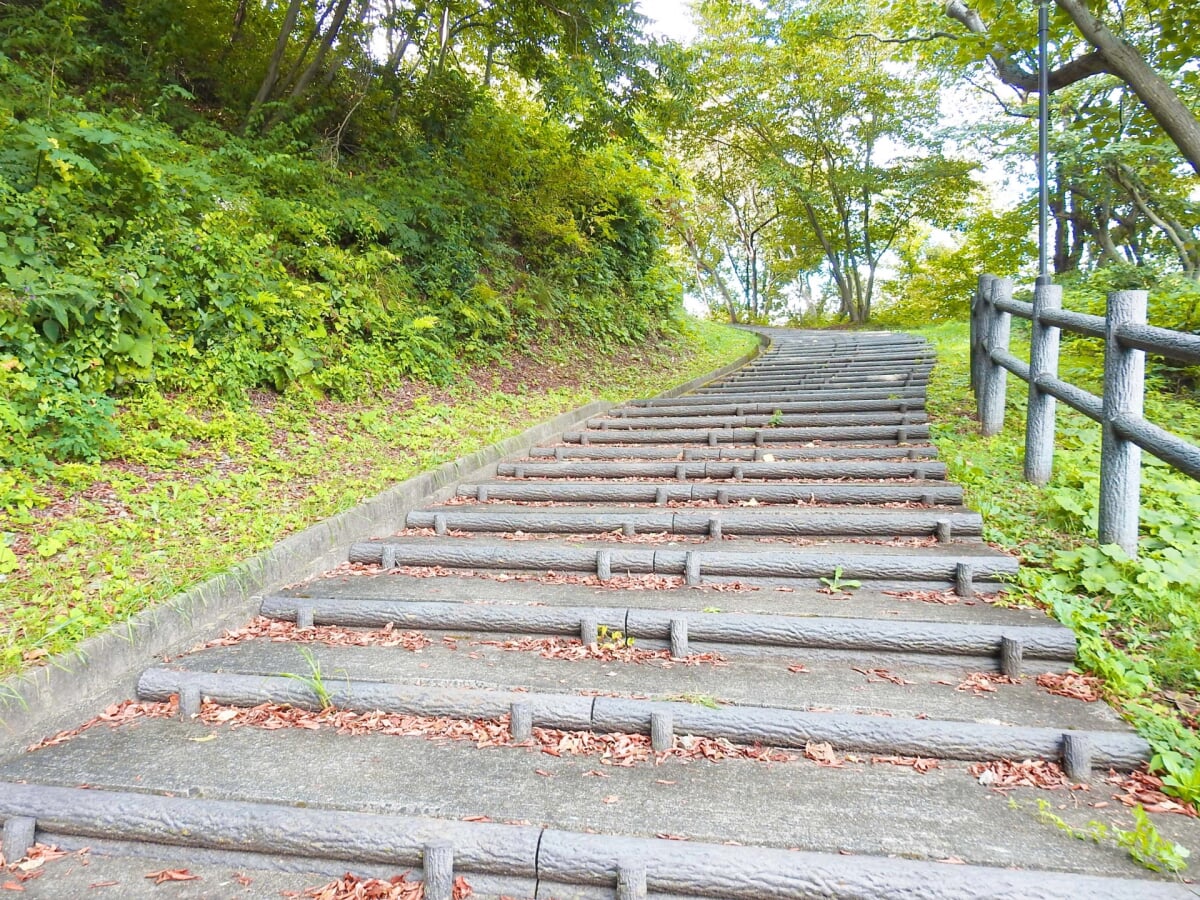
point(1126, 63)
point(314, 67)
point(1112, 55)
point(268, 82)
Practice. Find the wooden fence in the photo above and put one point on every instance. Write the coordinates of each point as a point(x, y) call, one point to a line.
point(1127, 338)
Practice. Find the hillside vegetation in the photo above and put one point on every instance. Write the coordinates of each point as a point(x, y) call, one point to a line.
point(163, 231)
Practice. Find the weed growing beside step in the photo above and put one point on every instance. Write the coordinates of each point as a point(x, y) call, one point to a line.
point(1137, 621)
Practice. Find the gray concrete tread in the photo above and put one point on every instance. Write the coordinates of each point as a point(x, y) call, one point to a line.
point(827, 685)
point(861, 807)
point(967, 548)
point(769, 600)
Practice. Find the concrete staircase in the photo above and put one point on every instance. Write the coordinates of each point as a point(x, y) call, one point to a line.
point(740, 643)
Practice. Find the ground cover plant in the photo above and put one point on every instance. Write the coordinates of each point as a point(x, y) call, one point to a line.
point(193, 486)
point(1137, 620)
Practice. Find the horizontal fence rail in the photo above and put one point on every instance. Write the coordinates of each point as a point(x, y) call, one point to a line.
point(1127, 338)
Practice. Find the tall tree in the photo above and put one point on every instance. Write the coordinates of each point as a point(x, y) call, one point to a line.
point(839, 131)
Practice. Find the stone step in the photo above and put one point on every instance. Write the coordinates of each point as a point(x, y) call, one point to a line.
point(838, 685)
point(736, 471)
point(768, 420)
point(958, 565)
point(749, 454)
point(834, 382)
point(813, 521)
point(1080, 751)
point(1000, 645)
point(926, 493)
point(830, 405)
point(806, 395)
point(769, 599)
point(757, 436)
point(819, 374)
point(843, 366)
point(386, 821)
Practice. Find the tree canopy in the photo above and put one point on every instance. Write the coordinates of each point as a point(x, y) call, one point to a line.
point(228, 194)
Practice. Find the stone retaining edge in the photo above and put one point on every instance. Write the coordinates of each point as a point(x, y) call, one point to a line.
point(686, 868)
point(103, 668)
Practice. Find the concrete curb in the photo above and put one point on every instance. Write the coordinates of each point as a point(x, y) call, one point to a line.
point(677, 868)
point(103, 669)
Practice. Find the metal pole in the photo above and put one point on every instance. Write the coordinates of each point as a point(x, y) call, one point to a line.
point(1043, 144)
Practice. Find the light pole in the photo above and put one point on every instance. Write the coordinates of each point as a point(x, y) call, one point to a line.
point(1043, 144)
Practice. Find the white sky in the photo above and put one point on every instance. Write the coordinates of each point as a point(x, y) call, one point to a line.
point(671, 18)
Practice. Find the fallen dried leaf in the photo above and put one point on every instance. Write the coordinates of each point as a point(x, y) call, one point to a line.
point(821, 752)
point(916, 763)
point(877, 675)
point(164, 875)
point(980, 683)
point(575, 649)
point(1087, 688)
point(1145, 790)
point(263, 629)
point(1003, 775)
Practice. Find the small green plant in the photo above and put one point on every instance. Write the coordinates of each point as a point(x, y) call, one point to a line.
point(711, 609)
point(314, 680)
point(837, 584)
point(705, 700)
point(612, 639)
point(1181, 776)
point(1149, 848)
point(776, 419)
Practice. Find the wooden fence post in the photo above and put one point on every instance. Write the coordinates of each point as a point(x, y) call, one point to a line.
point(1043, 360)
point(979, 310)
point(995, 381)
point(1120, 460)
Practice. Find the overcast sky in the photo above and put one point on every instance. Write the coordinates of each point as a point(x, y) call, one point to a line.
point(670, 18)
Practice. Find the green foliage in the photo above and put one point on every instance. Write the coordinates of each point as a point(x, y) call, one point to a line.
point(134, 253)
point(313, 679)
point(937, 274)
point(1144, 843)
point(788, 138)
